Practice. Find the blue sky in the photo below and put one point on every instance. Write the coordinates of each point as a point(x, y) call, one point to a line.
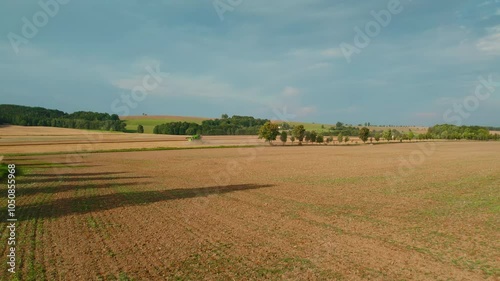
point(271, 59)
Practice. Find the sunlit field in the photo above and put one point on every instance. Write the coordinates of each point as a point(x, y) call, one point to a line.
point(310, 212)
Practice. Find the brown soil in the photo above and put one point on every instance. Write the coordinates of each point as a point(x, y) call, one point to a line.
point(299, 213)
point(17, 139)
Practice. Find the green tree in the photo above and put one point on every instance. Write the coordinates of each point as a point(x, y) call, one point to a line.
point(377, 137)
point(329, 139)
point(340, 138)
point(292, 139)
point(285, 126)
point(411, 135)
point(346, 139)
point(313, 136)
point(283, 137)
point(140, 129)
point(444, 135)
point(269, 131)
point(307, 136)
point(364, 134)
point(396, 134)
point(319, 139)
point(298, 133)
point(387, 135)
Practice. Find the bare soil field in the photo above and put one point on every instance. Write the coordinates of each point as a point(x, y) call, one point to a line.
point(17, 139)
point(412, 211)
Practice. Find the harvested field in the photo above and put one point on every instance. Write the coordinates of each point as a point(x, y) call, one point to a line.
point(299, 213)
point(17, 139)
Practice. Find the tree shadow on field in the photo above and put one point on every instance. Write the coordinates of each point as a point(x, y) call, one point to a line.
point(26, 191)
point(95, 203)
point(20, 159)
point(77, 174)
point(49, 164)
point(54, 183)
point(64, 179)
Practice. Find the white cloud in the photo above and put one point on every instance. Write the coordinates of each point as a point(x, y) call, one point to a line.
point(333, 52)
point(290, 92)
point(485, 3)
point(491, 43)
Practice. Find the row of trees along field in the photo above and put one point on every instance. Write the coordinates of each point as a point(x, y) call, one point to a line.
point(270, 131)
point(235, 125)
point(39, 116)
point(339, 128)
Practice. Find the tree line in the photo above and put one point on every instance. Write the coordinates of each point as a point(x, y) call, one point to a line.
point(270, 131)
point(235, 125)
point(39, 116)
point(446, 131)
